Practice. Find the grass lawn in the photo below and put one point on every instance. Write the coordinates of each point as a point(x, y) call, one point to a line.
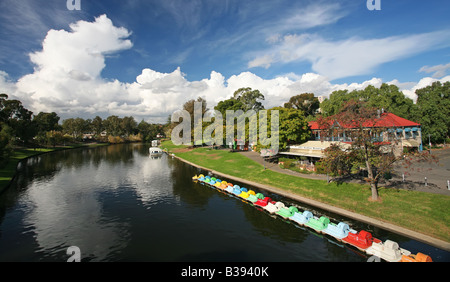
point(422, 212)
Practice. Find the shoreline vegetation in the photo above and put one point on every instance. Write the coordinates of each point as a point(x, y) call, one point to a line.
point(8, 172)
point(419, 212)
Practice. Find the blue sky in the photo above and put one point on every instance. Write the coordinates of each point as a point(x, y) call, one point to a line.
point(155, 53)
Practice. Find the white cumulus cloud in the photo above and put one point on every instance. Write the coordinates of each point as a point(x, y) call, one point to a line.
point(67, 78)
point(345, 58)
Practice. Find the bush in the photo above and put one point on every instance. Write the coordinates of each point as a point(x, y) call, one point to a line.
point(115, 139)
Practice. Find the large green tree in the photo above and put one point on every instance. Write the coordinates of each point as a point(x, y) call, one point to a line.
point(305, 102)
point(249, 99)
point(388, 98)
point(18, 118)
point(47, 121)
point(293, 126)
point(433, 111)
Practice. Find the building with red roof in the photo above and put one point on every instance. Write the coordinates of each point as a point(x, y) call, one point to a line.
point(406, 133)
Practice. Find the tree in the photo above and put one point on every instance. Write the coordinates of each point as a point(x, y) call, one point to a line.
point(357, 120)
point(97, 125)
point(76, 127)
point(148, 131)
point(229, 104)
point(249, 99)
point(387, 97)
point(433, 111)
point(129, 125)
point(113, 125)
point(47, 122)
point(17, 117)
point(5, 144)
point(305, 102)
point(293, 127)
point(333, 105)
point(190, 107)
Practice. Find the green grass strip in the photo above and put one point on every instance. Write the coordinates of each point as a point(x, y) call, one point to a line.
point(426, 213)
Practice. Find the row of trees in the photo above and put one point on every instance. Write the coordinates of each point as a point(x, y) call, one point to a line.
point(431, 110)
point(293, 125)
point(19, 126)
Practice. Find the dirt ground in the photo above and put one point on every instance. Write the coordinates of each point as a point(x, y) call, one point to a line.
point(437, 174)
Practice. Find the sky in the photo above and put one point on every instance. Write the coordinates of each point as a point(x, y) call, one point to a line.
point(146, 58)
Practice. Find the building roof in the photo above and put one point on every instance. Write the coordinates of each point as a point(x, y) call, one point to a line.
point(385, 120)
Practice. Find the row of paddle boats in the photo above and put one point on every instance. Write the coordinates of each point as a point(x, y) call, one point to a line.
point(362, 240)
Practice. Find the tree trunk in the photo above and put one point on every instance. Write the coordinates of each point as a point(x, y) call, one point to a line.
point(373, 187)
point(372, 180)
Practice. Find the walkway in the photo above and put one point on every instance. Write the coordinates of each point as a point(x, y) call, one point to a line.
point(437, 174)
point(275, 167)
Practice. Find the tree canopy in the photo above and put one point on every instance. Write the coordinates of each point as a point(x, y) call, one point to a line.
point(387, 97)
point(305, 102)
point(433, 111)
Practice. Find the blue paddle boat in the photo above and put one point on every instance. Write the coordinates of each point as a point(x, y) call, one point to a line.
point(338, 231)
point(302, 218)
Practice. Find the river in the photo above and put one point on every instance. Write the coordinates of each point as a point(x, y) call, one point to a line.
point(115, 203)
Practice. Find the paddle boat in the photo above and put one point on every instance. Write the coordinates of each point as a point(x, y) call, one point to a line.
point(254, 198)
point(273, 207)
point(263, 202)
point(416, 258)
point(361, 240)
point(338, 231)
point(195, 177)
point(229, 188)
point(287, 212)
point(389, 251)
point(301, 218)
point(238, 190)
point(318, 224)
point(246, 194)
point(223, 185)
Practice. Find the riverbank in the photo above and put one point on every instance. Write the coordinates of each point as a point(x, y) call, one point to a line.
point(399, 211)
point(8, 173)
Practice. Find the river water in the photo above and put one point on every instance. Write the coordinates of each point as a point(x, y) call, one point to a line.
point(116, 203)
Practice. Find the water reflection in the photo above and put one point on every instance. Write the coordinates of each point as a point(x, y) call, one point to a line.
point(116, 203)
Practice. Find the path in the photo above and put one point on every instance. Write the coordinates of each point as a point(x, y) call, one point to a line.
point(437, 174)
point(275, 167)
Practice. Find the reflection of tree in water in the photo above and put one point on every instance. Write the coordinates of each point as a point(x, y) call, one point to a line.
point(45, 167)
